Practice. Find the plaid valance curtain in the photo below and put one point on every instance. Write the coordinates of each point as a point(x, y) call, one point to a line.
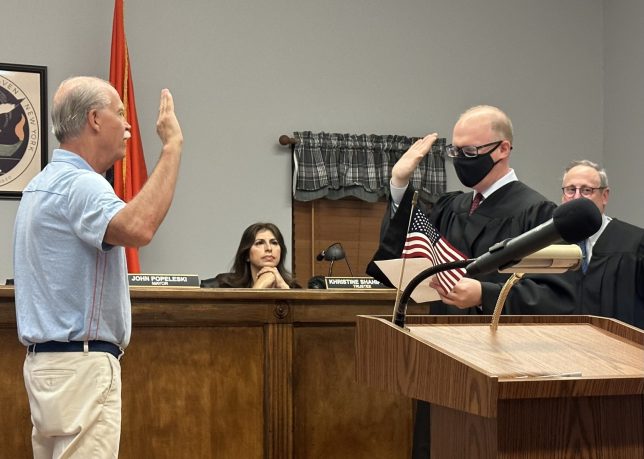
point(335, 166)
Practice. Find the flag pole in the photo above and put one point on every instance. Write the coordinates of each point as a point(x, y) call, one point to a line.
point(414, 202)
point(129, 173)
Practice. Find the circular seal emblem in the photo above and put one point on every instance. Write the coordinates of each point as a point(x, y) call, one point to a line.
point(20, 136)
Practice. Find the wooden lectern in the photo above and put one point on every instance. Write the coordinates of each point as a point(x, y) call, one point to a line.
point(538, 387)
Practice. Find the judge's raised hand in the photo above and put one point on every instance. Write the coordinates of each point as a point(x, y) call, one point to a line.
point(466, 293)
point(168, 128)
point(410, 160)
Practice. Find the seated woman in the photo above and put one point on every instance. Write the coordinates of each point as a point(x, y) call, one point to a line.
point(259, 262)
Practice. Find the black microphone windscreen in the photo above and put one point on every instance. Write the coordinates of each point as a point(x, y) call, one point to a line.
point(576, 220)
point(316, 282)
point(320, 256)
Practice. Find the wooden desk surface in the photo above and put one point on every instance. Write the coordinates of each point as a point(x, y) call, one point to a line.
point(517, 351)
point(199, 307)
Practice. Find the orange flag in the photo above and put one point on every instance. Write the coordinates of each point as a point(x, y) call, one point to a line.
point(130, 173)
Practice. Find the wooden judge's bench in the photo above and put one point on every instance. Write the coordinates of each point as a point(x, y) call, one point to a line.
point(235, 373)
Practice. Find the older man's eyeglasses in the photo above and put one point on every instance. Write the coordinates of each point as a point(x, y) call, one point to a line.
point(470, 151)
point(585, 191)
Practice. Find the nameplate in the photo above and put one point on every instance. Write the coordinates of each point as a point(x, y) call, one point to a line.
point(164, 280)
point(353, 282)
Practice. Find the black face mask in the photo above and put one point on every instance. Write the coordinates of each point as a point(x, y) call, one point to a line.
point(471, 171)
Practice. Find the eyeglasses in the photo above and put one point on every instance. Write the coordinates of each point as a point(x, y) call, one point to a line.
point(470, 151)
point(585, 191)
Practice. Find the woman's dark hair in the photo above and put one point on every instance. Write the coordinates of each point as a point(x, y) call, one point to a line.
point(241, 277)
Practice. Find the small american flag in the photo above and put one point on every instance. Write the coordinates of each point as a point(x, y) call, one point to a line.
point(424, 241)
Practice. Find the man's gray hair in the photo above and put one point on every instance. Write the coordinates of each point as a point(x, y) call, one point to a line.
point(73, 100)
point(603, 178)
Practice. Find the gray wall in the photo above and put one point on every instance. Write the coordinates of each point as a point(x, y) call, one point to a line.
point(244, 72)
point(624, 107)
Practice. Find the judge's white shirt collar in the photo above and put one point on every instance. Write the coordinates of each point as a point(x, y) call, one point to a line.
point(511, 176)
point(398, 193)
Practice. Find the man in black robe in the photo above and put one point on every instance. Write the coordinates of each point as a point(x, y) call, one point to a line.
point(482, 142)
point(612, 284)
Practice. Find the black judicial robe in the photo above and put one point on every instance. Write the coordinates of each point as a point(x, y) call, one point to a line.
point(219, 281)
point(509, 212)
point(613, 285)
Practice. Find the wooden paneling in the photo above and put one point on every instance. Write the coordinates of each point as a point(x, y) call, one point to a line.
point(279, 385)
point(318, 224)
point(224, 373)
point(331, 408)
point(202, 384)
point(15, 430)
point(569, 428)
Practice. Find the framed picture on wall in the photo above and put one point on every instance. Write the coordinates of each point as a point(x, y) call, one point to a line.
point(23, 126)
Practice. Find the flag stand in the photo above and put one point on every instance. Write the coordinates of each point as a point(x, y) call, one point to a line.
point(414, 202)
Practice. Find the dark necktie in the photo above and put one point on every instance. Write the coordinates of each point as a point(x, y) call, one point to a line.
point(584, 255)
point(476, 202)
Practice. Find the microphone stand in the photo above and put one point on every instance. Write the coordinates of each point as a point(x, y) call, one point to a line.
point(331, 266)
point(401, 309)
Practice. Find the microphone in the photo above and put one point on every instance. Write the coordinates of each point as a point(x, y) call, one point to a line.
point(573, 221)
point(333, 253)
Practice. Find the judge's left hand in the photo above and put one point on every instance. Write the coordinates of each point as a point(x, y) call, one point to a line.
point(466, 293)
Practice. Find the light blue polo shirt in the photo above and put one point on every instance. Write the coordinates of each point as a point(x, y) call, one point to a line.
point(69, 285)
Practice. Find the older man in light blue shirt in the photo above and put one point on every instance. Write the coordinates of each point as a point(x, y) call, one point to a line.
point(72, 300)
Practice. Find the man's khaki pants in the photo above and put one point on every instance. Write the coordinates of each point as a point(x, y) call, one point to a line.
point(75, 401)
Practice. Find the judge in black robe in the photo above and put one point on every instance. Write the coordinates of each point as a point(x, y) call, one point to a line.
point(613, 284)
point(482, 143)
